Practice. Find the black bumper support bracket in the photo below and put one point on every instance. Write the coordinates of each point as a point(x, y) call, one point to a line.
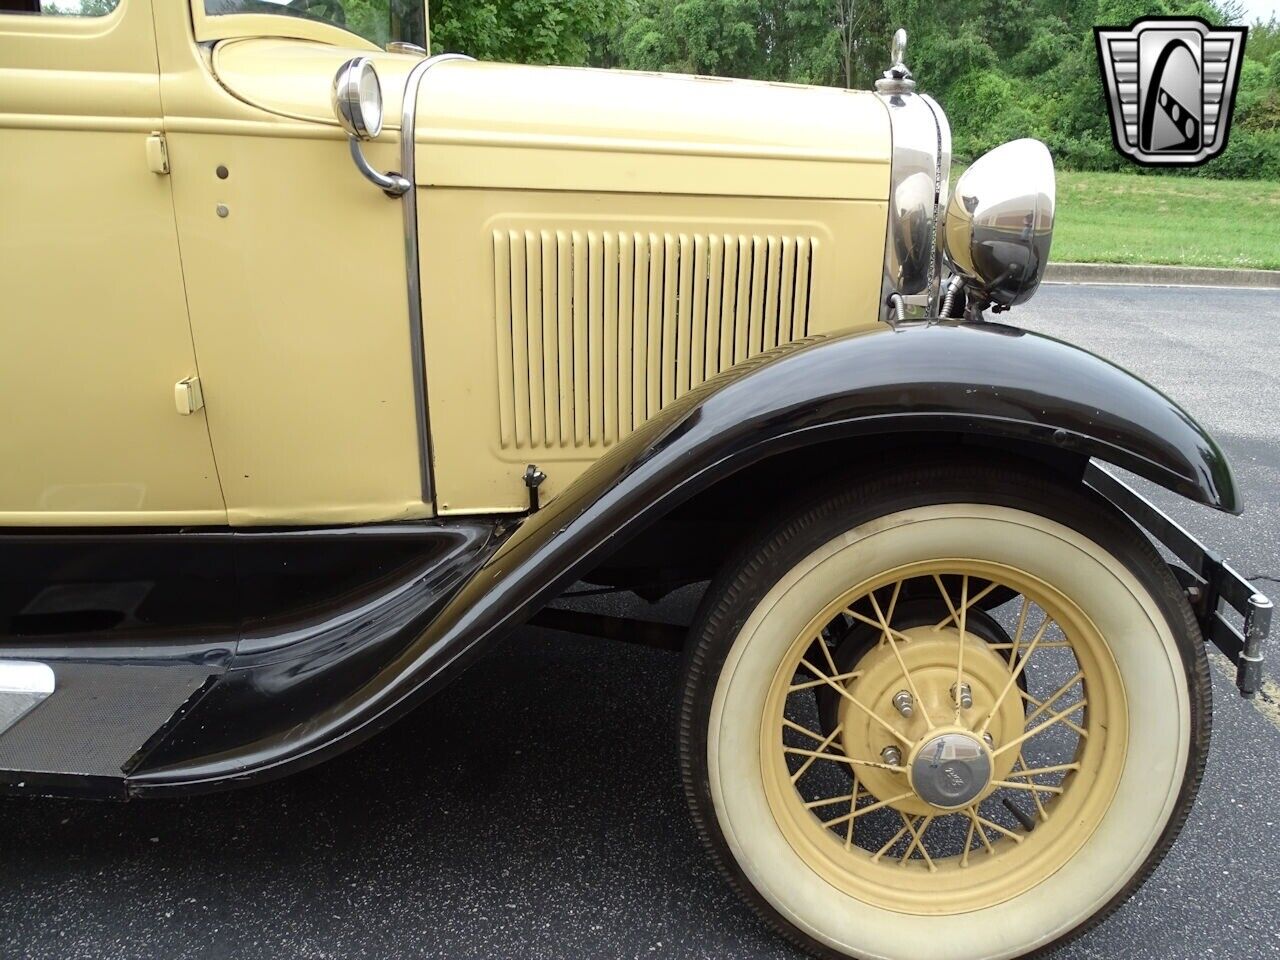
point(1212, 585)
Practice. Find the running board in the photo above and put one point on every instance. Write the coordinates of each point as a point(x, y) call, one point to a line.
point(77, 727)
point(24, 685)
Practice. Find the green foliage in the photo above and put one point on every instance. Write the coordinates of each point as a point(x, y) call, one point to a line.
point(1001, 68)
point(523, 31)
point(718, 37)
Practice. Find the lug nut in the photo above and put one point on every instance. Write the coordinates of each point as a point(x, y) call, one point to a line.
point(904, 703)
point(988, 739)
point(964, 697)
point(892, 756)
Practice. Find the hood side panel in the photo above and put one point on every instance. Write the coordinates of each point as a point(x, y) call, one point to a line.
point(555, 128)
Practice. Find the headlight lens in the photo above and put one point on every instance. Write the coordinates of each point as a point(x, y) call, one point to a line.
point(357, 98)
point(999, 222)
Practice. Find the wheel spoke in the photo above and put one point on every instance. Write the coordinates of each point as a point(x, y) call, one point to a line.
point(982, 834)
point(840, 689)
point(1066, 723)
point(826, 654)
point(946, 598)
point(812, 735)
point(977, 597)
point(1032, 771)
point(1022, 623)
point(863, 618)
point(1035, 731)
point(887, 633)
point(1033, 787)
point(850, 829)
point(809, 684)
point(983, 821)
point(1019, 766)
point(1013, 676)
point(863, 811)
point(815, 804)
point(917, 841)
point(1045, 645)
point(1043, 705)
point(964, 609)
point(841, 758)
point(875, 857)
point(823, 743)
point(968, 844)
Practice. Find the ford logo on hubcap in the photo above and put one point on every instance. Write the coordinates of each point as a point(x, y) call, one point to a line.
point(950, 770)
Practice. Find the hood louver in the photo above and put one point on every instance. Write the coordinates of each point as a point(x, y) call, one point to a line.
point(598, 330)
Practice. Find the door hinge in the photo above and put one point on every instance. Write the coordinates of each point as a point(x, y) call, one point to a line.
point(187, 396)
point(157, 154)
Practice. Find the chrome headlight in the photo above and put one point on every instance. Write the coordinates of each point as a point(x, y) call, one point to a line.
point(921, 167)
point(999, 223)
point(357, 98)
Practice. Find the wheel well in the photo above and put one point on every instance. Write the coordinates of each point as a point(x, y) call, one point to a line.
point(688, 544)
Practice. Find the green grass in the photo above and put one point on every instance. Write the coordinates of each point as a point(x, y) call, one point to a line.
point(1123, 218)
point(1127, 218)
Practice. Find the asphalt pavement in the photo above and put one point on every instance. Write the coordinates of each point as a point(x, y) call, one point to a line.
point(533, 809)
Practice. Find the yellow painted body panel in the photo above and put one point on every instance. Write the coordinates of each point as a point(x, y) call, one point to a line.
point(596, 243)
point(283, 77)
point(652, 229)
point(300, 318)
point(553, 358)
point(93, 326)
point(488, 125)
point(298, 304)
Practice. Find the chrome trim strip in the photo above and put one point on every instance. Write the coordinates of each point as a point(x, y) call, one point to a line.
point(943, 195)
point(408, 116)
point(912, 264)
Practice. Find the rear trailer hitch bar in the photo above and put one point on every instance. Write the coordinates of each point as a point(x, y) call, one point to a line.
point(1213, 586)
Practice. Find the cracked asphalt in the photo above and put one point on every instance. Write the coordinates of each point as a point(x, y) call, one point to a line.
point(533, 809)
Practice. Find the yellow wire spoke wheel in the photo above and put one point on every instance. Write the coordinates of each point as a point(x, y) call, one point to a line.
point(958, 712)
point(954, 833)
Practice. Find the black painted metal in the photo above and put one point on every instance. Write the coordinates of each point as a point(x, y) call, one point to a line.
point(127, 596)
point(1222, 585)
point(281, 624)
point(957, 378)
point(311, 658)
point(645, 633)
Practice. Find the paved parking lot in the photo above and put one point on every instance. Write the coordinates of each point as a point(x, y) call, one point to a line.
point(534, 810)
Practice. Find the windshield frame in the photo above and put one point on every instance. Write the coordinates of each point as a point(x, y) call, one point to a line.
point(228, 26)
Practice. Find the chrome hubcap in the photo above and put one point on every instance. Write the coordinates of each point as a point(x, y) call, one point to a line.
point(950, 770)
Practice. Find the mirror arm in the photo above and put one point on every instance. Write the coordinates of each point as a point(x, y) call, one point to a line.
point(392, 184)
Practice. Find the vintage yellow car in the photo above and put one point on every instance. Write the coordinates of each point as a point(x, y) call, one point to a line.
point(325, 363)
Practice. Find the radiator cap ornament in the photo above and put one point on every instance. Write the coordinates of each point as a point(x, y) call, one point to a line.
point(897, 79)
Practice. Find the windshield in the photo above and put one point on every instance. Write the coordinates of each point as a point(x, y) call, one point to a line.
point(380, 21)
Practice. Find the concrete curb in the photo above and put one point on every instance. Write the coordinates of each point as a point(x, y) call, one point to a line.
point(1153, 275)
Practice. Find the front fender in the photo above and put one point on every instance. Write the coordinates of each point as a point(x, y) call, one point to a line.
point(968, 379)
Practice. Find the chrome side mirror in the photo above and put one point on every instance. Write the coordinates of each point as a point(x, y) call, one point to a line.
point(999, 223)
point(357, 98)
point(357, 103)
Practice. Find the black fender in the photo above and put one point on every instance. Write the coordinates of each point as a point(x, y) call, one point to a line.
point(969, 379)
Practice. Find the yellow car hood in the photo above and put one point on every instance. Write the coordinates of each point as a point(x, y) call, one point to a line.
point(527, 127)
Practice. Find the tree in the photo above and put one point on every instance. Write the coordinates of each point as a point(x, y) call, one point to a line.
point(1001, 68)
point(522, 31)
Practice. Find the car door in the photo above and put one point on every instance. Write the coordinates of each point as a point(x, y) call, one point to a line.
point(94, 332)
